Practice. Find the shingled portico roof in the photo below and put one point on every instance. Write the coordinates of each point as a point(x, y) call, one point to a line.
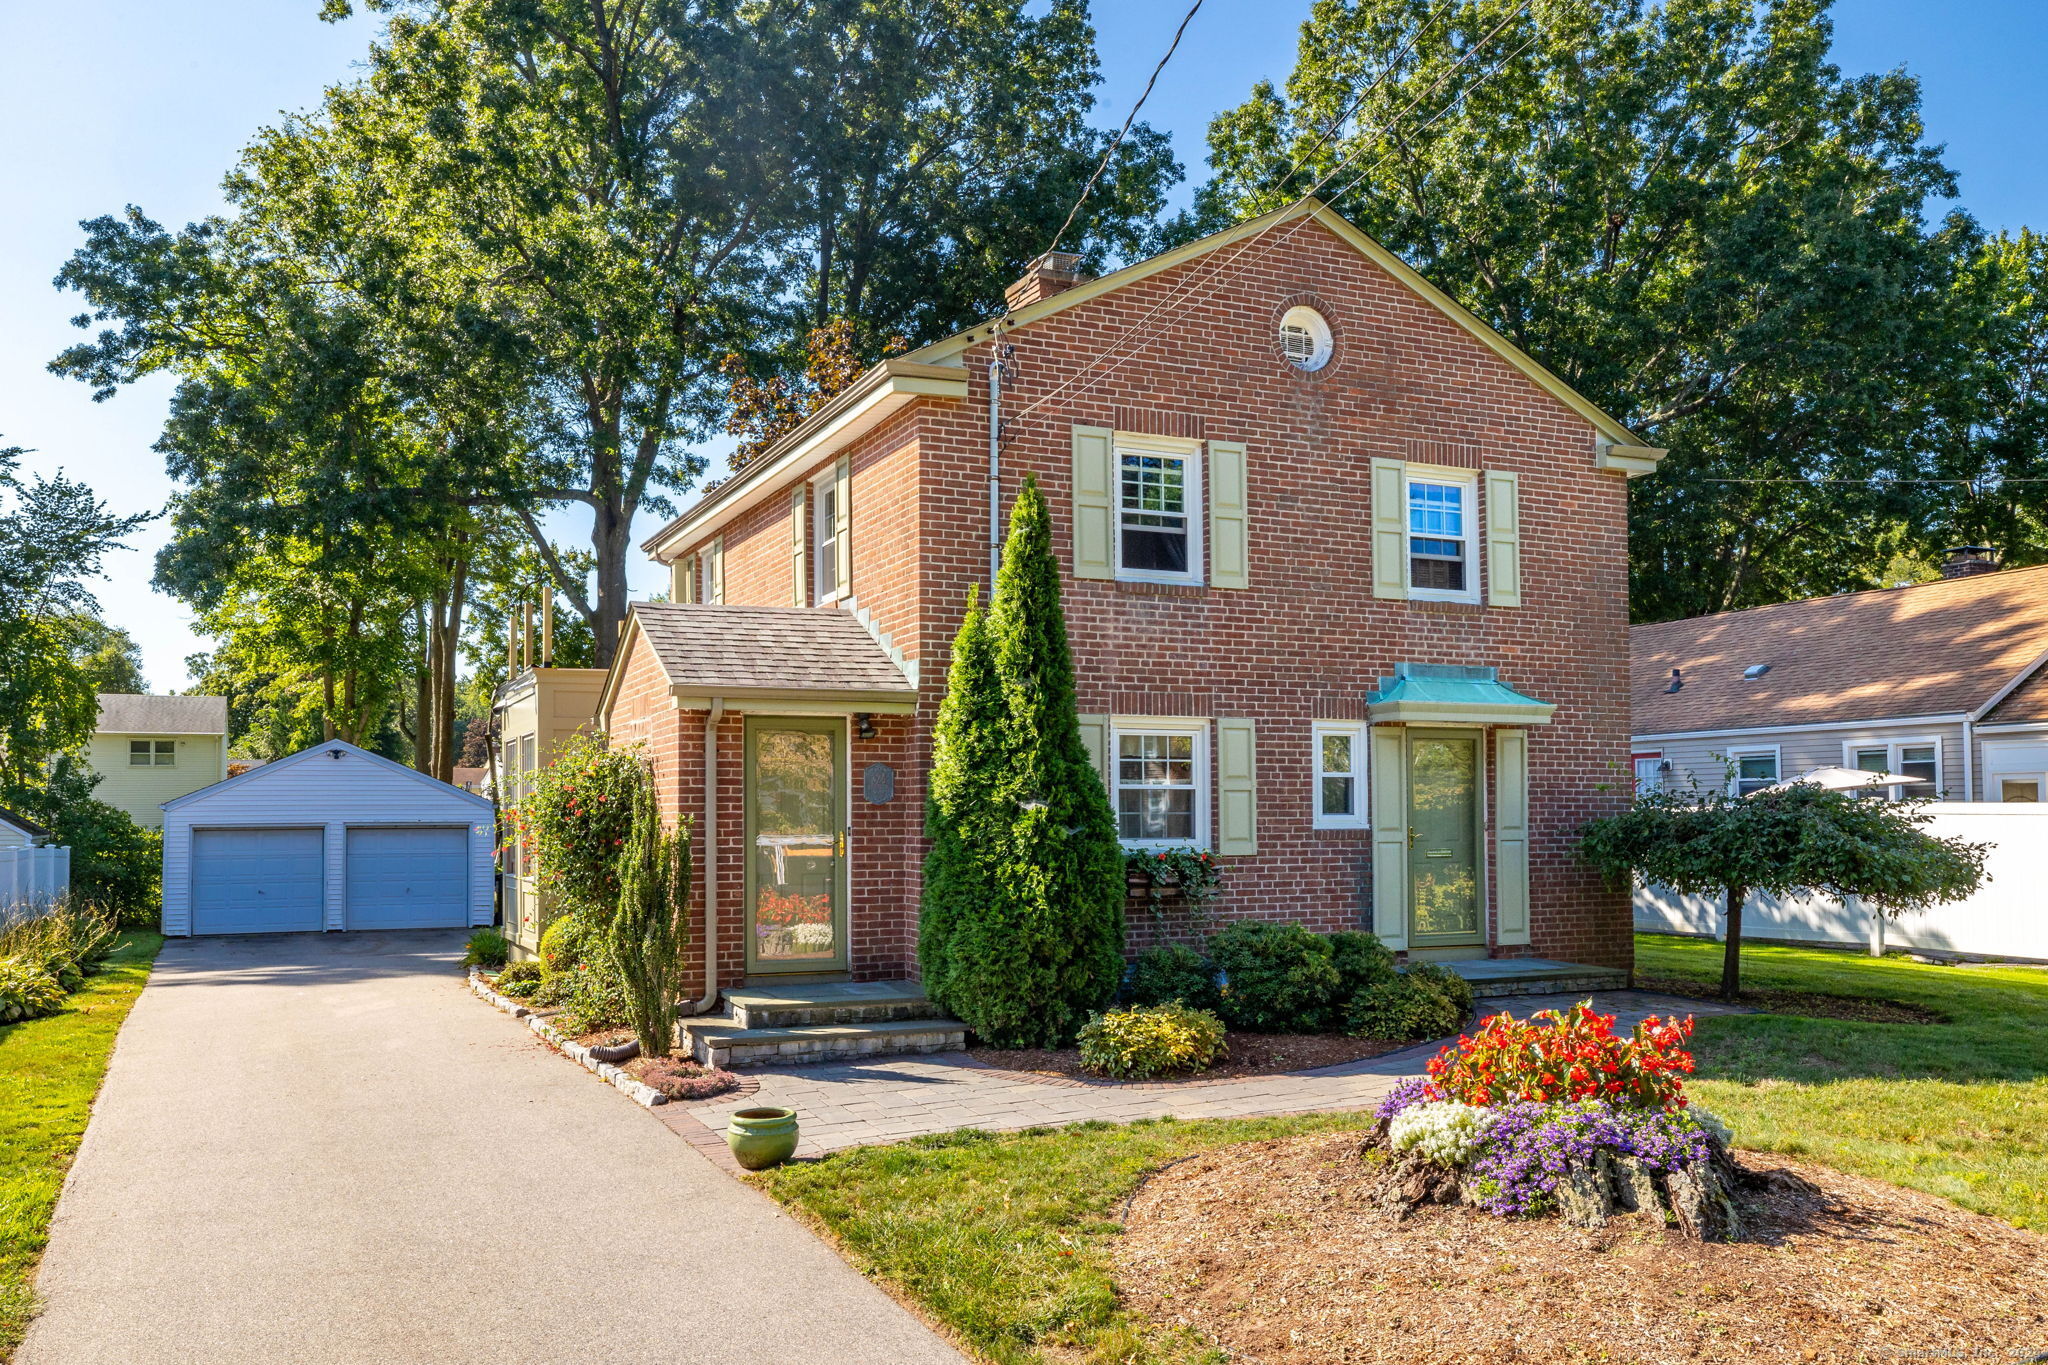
point(1953, 647)
point(764, 653)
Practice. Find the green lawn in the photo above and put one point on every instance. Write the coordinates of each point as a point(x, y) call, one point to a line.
point(50, 1070)
point(1006, 1239)
point(1957, 1109)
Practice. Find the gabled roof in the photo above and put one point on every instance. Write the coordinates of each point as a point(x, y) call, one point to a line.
point(23, 823)
point(289, 761)
point(747, 653)
point(1953, 647)
point(936, 370)
point(134, 713)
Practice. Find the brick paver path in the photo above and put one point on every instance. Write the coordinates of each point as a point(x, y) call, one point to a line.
point(889, 1099)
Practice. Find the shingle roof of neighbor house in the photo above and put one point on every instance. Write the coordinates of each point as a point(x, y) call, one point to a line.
point(713, 649)
point(130, 713)
point(23, 823)
point(1941, 648)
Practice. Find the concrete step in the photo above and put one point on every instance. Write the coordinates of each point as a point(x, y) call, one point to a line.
point(780, 1006)
point(719, 1041)
point(1494, 978)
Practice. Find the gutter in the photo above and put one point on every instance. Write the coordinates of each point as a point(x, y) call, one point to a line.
point(708, 877)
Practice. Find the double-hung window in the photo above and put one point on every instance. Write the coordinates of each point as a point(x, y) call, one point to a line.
point(152, 753)
point(1649, 772)
point(1919, 758)
point(824, 540)
point(1751, 770)
point(1158, 511)
point(1443, 536)
point(1161, 783)
point(1339, 774)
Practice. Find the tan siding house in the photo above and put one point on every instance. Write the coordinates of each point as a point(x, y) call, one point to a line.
point(149, 750)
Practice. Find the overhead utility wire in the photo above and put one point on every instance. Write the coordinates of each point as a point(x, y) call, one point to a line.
point(1231, 254)
point(1131, 118)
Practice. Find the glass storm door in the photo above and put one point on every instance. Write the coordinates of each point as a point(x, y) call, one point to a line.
point(796, 845)
point(1443, 840)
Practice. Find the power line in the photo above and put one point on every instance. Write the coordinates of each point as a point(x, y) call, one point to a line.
point(1129, 119)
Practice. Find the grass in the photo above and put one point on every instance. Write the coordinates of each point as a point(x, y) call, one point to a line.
point(1958, 1109)
point(50, 1069)
point(1005, 1239)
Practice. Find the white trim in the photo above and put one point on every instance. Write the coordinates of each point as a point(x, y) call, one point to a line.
point(821, 538)
point(1189, 453)
point(1734, 755)
point(290, 760)
point(1860, 722)
point(1467, 481)
point(1892, 760)
point(1992, 780)
point(1356, 731)
point(2014, 727)
point(1163, 725)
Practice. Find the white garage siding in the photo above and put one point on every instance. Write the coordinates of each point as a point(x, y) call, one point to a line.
point(356, 791)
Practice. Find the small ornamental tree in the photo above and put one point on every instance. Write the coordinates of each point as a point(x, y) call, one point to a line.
point(1023, 901)
point(1799, 838)
point(575, 822)
point(648, 930)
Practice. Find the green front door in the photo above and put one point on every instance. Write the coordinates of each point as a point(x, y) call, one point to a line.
point(796, 845)
point(1444, 905)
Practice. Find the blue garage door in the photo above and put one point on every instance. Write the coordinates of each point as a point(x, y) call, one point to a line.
point(408, 878)
point(256, 881)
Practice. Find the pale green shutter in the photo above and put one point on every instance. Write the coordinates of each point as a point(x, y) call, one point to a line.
point(1511, 834)
point(1094, 539)
point(1237, 792)
point(1503, 540)
point(1389, 530)
point(717, 585)
point(1389, 783)
point(1229, 520)
point(842, 527)
point(1095, 739)
point(682, 579)
point(799, 542)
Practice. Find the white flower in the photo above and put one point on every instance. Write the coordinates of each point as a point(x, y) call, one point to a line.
point(1443, 1131)
point(812, 935)
point(1711, 1124)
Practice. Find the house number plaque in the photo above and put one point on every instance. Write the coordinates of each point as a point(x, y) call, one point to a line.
point(878, 784)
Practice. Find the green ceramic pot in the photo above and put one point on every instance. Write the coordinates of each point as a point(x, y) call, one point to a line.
point(761, 1138)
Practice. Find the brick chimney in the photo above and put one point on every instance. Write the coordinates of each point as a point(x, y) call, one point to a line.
point(1961, 561)
point(1053, 273)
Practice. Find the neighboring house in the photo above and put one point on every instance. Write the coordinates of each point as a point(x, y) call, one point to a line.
point(331, 837)
point(1940, 681)
point(18, 831)
point(149, 750)
point(1345, 581)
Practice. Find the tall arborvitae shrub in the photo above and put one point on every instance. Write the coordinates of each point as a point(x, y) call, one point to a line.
point(648, 931)
point(1025, 916)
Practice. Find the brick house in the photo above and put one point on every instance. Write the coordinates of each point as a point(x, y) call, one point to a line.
point(1346, 579)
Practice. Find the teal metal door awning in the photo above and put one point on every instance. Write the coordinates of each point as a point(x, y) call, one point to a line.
point(1452, 694)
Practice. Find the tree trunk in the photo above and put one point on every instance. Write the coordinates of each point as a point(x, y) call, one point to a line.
point(422, 735)
point(1731, 953)
point(609, 536)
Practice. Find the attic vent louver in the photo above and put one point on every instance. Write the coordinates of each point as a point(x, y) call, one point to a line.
point(1677, 681)
point(1755, 671)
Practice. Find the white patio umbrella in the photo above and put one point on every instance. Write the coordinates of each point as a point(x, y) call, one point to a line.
point(1846, 780)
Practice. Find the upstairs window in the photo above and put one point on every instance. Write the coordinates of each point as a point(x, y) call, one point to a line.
point(824, 542)
point(1158, 501)
point(152, 753)
point(1442, 538)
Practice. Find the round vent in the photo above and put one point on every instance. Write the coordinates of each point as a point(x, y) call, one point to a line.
point(1305, 338)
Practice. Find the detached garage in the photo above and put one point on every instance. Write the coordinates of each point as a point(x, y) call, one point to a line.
point(333, 837)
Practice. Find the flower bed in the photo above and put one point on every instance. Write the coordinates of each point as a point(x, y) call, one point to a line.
point(1557, 1115)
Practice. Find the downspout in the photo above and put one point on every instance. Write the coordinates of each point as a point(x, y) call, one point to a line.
point(998, 363)
point(1969, 745)
point(707, 862)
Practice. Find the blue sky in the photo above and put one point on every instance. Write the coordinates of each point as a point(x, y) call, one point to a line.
point(112, 102)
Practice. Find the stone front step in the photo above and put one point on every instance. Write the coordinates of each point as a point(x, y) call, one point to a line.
point(1492, 978)
point(726, 1042)
point(831, 1002)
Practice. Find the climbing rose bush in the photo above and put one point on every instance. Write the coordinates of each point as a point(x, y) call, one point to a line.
point(1565, 1056)
point(574, 822)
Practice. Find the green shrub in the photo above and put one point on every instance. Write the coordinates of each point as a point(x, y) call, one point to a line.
point(1172, 972)
point(1425, 1001)
point(1361, 960)
point(645, 938)
point(116, 864)
point(1152, 1040)
point(596, 999)
point(577, 818)
point(28, 989)
point(563, 945)
point(487, 948)
point(66, 943)
point(519, 979)
point(1275, 978)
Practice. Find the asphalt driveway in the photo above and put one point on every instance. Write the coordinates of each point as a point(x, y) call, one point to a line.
point(322, 1148)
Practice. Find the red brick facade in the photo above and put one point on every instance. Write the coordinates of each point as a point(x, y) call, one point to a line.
point(1191, 352)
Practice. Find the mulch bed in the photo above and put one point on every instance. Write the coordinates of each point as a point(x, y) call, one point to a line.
point(1251, 1054)
point(1270, 1251)
point(1813, 1004)
point(679, 1078)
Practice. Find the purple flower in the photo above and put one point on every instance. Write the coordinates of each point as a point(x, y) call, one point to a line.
point(1414, 1090)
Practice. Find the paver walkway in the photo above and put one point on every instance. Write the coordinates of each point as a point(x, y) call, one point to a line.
point(850, 1104)
point(325, 1149)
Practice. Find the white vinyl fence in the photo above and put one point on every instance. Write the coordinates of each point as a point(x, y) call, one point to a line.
point(2006, 917)
point(31, 879)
